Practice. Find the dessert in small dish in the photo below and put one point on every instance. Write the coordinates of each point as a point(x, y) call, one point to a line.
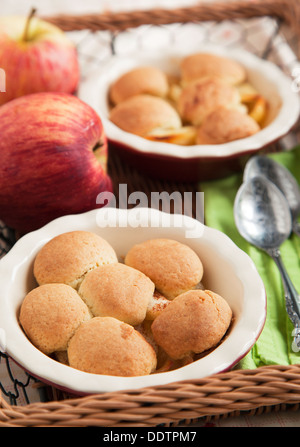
point(126, 325)
point(164, 141)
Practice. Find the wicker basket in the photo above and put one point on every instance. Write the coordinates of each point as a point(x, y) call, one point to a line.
point(268, 388)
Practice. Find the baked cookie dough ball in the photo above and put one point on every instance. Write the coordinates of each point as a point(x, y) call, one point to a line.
point(140, 80)
point(50, 314)
point(199, 99)
point(224, 125)
point(118, 291)
point(69, 256)
point(172, 266)
point(141, 114)
point(201, 65)
point(105, 345)
point(192, 323)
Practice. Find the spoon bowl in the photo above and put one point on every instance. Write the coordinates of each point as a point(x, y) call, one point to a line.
point(262, 214)
point(278, 174)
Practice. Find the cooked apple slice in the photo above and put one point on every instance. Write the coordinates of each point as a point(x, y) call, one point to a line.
point(184, 136)
point(256, 104)
point(258, 110)
point(247, 92)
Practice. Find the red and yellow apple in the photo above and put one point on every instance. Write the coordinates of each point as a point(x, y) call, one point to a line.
point(52, 148)
point(36, 56)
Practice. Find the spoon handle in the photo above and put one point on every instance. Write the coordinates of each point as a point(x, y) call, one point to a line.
point(292, 298)
point(296, 341)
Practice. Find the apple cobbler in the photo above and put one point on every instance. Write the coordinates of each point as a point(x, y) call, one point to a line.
point(148, 314)
point(210, 102)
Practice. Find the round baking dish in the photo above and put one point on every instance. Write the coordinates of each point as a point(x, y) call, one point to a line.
point(197, 162)
point(227, 270)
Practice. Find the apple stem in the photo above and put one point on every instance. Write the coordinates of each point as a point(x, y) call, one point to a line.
point(32, 13)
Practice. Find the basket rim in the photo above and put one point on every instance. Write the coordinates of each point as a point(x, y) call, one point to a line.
point(287, 11)
point(217, 395)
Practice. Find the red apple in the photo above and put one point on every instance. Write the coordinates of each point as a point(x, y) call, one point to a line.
point(36, 56)
point(52, 148)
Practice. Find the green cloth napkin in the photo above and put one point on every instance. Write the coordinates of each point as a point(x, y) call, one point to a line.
point(274, 345)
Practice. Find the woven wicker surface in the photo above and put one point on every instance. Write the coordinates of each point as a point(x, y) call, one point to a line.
point(264, 389)
point(287, 10)
point(220, 394)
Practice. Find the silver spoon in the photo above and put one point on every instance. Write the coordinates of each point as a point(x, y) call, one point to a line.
point(282, 178)
point(263, 218)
